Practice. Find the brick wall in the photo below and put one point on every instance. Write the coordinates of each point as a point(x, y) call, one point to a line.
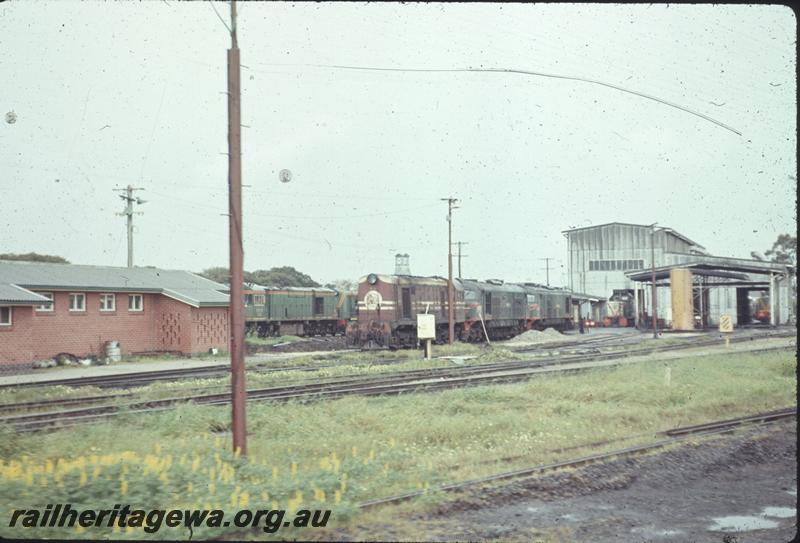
point(210, 328)
point(164, 324)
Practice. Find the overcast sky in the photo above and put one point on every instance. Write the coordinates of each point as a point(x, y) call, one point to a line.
point(110, 94)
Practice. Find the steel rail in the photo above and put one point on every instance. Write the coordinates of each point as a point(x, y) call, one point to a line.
point(676, 436)
point(129, 380)
point(365, 386)
point(395, 378)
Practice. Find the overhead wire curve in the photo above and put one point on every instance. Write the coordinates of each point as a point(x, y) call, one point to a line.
point(539, 74)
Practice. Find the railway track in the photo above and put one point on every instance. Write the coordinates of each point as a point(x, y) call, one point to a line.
point(148, 377)
point(668, 437)
point(423, 380)
point(139, 379)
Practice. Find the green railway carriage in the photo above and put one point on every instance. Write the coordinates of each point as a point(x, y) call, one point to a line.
point(299, 311)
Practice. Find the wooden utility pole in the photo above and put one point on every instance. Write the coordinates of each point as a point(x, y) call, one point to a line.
point(460, 243)
point(236, 310)
point(130, 200)
point(653, 268)
point(547, 268)
point(450, 313)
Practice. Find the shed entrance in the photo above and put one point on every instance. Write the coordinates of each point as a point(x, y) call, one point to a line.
point(752, 306)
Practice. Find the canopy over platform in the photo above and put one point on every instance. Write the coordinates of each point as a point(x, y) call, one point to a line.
point(718, 272)
point(581, 297)
point(663, 273)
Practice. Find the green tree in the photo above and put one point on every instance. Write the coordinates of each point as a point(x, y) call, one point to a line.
point(222, 275)
point(784, 250)
point(34, 257)
point(284, 276)
point(343, 285)
point(218, 274)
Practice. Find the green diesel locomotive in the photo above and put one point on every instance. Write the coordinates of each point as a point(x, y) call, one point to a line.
point(297, 311)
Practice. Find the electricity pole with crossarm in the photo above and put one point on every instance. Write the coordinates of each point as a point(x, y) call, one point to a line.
point(450, 314)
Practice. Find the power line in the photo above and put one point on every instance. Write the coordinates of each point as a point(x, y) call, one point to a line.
point(153, 131)
point(219, 16)
point(527, 72)
point(301, 217)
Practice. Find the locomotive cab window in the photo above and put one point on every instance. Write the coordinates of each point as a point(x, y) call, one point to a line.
point(319, 305)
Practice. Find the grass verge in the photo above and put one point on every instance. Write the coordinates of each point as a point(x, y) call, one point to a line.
point(335, 454)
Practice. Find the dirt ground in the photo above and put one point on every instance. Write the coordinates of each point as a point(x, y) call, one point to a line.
point(738, 488)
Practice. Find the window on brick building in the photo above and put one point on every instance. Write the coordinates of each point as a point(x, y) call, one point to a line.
point(46, 307)
point(108, 302)
point(77, 302)
point(5, 316)
point(135, 302)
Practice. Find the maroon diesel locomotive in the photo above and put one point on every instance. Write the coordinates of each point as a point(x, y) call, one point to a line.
point(387, 308)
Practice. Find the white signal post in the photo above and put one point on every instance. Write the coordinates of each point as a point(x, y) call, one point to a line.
point(426, 330)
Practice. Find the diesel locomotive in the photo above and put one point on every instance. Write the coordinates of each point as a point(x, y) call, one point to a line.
point(298, 311)
point(387, 306)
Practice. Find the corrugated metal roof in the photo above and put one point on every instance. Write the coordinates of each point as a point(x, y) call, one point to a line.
point(661, 228)
point(181, 285)
point(587, 297)
point(14, 295)
point(718, 266)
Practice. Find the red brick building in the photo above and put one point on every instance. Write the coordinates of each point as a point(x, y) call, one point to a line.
point(46, 309)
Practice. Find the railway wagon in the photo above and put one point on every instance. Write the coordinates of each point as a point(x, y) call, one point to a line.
point(388, 305)
point(503, 308)
point(299, 311)
point(548, 307)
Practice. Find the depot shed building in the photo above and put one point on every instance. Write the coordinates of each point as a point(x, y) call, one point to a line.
point(616, 260)
point(47, 309)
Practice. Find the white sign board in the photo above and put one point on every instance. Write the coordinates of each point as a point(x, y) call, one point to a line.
point(426, 326)
point(725, 323)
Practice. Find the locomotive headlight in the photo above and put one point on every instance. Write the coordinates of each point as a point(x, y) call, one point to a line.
point(372, 279)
